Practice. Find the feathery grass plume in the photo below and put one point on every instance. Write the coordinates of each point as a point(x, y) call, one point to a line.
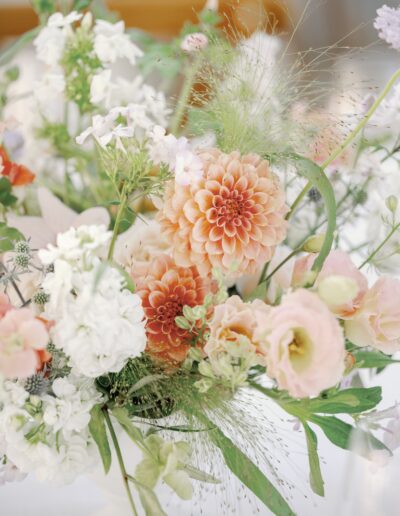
point(252, 95)
point(167, 401)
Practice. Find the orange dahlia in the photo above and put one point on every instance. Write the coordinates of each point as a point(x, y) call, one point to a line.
point(165, 289)
point(231, 219)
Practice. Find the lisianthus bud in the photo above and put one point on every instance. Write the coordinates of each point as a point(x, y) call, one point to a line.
point(314, 243)
point(87, 21)
point(391, 203)
point(336, 290)
point(194, 42)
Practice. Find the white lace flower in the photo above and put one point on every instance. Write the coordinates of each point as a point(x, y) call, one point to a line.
point(111, 43)
point(387, 23)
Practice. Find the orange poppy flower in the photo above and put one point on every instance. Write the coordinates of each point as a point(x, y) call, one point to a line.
point(19, 175)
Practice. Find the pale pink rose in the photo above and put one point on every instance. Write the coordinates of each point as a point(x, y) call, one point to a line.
point(377, 322)
point(5, 305)
point(338, 263)
point(233, 320)
point(304, 345)
point(22, 339)
point(194, 42)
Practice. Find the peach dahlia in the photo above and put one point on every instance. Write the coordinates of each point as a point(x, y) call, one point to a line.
point(165, 289)
point(231, 219)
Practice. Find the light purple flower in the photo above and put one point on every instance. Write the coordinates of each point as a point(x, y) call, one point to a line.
point(387, 23)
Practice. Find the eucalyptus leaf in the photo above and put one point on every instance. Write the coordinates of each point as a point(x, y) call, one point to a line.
point(98, 431)
point(316, 480)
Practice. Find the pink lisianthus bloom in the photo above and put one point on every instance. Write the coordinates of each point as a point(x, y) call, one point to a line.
point(377, 322)
point(23, 339)
point(232, 321)
point(5, 305)
point(338, 263)
point(303, 344)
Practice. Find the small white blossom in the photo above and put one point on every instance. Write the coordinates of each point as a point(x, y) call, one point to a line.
point(387, 23)
point(111, 43)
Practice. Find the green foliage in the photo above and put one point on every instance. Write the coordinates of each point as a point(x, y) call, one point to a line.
point(316, 176)
point(8, 237)
point(80, 64)
point(44, 7)
point(367, 359)
point(316, 480)
point(6, 197)
point(247, 472)
point(348, 401)
point(345, 436)
point(80, 5)
point(97, 428)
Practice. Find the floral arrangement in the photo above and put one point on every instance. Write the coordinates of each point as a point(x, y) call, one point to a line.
point(175, 263)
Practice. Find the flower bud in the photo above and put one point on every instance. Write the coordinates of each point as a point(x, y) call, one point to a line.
point(314, 243)
point(337, 290)
point(194, 42)
point(391, 203)
point(87, 21)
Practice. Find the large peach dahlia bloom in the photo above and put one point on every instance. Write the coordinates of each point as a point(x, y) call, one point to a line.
point(231, 219)
point(165, 289)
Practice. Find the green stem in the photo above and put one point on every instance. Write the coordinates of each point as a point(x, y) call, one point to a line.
point(125, 476)
point(281, 264)
point(346, 142)
point(382, 244)
point(185, 94)
point(121, 209)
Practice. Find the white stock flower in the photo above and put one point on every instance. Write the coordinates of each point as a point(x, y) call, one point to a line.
point(82, 245)
point(387, 23)
point(111, 43)
point(188, 168)
point(51, 40)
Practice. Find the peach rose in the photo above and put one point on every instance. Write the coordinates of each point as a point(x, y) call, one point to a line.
point(337, 263)
point(377, 322)
point(303, 343)
point(22, 340)
point(231, 321)
point(5, 305)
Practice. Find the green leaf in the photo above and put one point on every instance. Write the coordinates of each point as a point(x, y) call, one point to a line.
point(316, 480)
point(79, 5)
point(197, 474)
point(11, 51)
point(317, 177)
point(373, 358)
point(348, 401)
point(248, 473)
point(8, 237)
point(347, 437)
point(122, 416)
point(98, 431)
point(149, 500)
point(6, 197)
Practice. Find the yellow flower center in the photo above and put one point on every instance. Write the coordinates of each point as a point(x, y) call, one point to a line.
point(300, 349)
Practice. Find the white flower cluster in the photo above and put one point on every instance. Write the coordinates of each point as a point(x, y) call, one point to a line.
point(111, 46)
point(99, 324)
point(48, 435)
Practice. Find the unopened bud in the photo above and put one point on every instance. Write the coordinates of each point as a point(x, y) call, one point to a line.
point(194, 42)
point(391, 203)
point(87, 21)
point(313, 244)
point(337, 290)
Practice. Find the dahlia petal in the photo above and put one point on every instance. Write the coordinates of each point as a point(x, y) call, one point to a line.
point(228, 244)
point(191, 211)
point(214, 248)
point(156, 298)
point(201, 230)
point(204, 199)
point(216, 233)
